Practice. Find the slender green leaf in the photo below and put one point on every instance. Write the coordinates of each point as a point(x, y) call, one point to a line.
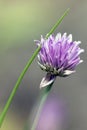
point(57, 23)
point(3, 114)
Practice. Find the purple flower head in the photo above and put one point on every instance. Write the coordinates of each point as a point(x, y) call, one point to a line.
point(59, 56)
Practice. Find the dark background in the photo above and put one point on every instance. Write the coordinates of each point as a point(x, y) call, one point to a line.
point(21, 22)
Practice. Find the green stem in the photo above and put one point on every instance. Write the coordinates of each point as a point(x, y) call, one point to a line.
point(3, 114)
point(57, 23)
point(43, 99)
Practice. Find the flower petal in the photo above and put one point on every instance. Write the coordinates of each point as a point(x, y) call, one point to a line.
point(47, 80)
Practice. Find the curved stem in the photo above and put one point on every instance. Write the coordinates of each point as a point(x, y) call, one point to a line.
point(57, 23)
point(46, 91)
point(3, 114)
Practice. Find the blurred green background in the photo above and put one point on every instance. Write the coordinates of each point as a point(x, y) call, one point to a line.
point(21, 22)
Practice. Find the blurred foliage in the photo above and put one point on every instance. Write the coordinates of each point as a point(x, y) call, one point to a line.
point(20, 21)
point(12, 122)
point(16, 22)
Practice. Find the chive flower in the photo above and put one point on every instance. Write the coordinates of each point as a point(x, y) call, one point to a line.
point(59, 56)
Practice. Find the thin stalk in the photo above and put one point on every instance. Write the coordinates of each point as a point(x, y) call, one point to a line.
point(3, 114)
point(45, 93)
point(57, 23)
